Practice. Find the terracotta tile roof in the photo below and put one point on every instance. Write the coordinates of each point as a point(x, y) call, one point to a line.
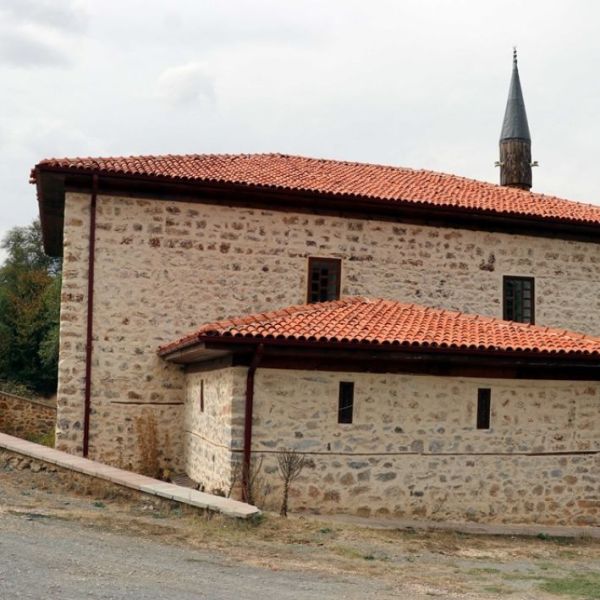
point(377, 182)
point(386, 323)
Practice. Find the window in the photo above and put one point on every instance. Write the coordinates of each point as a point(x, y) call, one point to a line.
point(484, 396)
point(324, 276)
point(519, 295)
point(346, 402)
point(202, 395)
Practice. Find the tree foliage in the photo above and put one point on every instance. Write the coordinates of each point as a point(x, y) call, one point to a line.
point(29, 311)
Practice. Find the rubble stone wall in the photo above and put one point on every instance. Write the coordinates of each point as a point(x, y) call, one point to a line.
point(209, 433)
point(26, 418)
point(162, 268)
point(413, 449)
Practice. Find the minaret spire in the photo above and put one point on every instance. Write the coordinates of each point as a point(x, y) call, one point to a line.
point(515, 140)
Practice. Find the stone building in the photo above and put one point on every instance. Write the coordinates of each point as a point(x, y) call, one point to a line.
point(409, 331)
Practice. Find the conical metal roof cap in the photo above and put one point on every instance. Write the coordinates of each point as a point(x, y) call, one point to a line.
point(515, 124)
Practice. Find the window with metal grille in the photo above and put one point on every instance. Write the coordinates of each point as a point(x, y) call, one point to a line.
point(484, 401)
point(519, 299)
point(324, 276)
point(346, 402)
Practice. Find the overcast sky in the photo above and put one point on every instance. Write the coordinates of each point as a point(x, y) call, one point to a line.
point(416, 83)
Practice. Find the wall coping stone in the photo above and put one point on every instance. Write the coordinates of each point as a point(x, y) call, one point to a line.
point(135, 481)
point(46, 403)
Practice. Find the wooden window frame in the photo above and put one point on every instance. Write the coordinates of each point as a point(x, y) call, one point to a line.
point(345, 410)
point(484, 408)
point(505, 278)
point(333, 261)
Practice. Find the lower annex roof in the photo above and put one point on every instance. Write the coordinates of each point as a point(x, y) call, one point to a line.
point(377, 323)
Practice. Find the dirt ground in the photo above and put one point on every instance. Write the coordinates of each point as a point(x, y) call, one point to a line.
point(409, 563)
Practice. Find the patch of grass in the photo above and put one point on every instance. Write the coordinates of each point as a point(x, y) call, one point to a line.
point(498, 589)
point(568, 554)
point(580, 586)
point(546, 566)
point(560, 540)
point(99, 504)
point(256, 520)
point(516, 576)
point(347, 552)
point(484, 570)
point(46, 439)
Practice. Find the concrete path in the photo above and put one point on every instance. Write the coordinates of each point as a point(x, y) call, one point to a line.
point(470, 528)
point(141, 483)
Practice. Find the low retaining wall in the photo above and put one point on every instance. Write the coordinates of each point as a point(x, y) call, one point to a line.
point(24, 417)
point(14, 451)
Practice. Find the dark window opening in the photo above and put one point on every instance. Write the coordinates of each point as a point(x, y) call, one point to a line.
point(202, 395)
point(346, 402)
point(519, 299)
point(324, 276)
point(484, 396)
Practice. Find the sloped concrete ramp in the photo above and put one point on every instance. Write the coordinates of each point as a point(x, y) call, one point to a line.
point(134, 481)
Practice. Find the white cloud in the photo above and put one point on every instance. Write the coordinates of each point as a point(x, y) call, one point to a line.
point(420, 83)
point(187, 84)
point(30, 46)
point(64, 15)
point(39, 33)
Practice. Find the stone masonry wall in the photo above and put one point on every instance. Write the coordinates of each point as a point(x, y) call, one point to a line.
point(413, 449)
point(163, 268)
point(23, 417)
point(208, 439)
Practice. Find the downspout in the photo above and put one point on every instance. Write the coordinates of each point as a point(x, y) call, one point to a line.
point(90, 319)
point(249, 409)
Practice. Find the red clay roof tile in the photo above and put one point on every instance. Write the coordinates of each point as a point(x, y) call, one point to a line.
point(378, 182)
point(385, 323)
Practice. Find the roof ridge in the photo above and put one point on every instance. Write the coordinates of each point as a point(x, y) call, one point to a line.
point(382, 167)
point(334, 177)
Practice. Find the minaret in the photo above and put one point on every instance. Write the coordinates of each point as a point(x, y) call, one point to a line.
point(515, 141)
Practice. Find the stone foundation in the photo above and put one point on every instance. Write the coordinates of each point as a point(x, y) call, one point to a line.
point(541, 489)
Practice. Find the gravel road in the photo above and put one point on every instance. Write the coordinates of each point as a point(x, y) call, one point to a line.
point(47, 558)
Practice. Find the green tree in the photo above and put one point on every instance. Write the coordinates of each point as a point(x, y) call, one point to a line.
point(29, 311)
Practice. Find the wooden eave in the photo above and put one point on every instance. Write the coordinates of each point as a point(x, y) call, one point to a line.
point(52, 183)
point(357, 357)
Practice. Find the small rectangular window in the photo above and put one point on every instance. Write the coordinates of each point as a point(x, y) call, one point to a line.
point(346, 402)
point(484, 396)
point(519, 299)
point(324, 275)
point(202, 395)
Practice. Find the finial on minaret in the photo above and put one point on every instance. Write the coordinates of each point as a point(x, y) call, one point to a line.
point(515, 140)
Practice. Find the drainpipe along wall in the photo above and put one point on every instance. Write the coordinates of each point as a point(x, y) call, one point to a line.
point(90, 319)
point(249, 410)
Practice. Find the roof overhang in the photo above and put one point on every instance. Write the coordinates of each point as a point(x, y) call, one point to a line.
point(319, 356)
point(51, 204)
point(53, 182)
